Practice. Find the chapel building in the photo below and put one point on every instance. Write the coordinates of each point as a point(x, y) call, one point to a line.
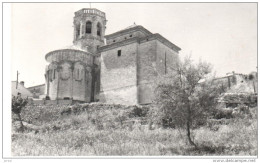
point(116, 68)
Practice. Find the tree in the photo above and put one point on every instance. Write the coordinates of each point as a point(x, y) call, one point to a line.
point(184, 97)
point(17, 104)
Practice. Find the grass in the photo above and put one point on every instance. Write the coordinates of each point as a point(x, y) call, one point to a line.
point(117, 132)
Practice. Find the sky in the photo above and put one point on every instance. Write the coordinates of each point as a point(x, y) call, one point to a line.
point(223, 34)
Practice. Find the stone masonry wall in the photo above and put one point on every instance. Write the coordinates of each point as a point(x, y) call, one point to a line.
point(151, 62)
point(146, 61)
point(89, 41)
point(125, 95)
point(72, 78)
point(53, 88)
point(146, 70)
point(78, 82)
point(171, 59)
point(118, 75)
point(65, 82)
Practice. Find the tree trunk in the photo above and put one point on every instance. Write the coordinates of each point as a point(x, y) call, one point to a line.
point(188, 135)
point(188, 127)
point(21, 123)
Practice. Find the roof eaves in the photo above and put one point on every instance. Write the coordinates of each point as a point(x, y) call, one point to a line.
point(36, 86)
point(117, 44)
point(139, 27)
point(164, 41)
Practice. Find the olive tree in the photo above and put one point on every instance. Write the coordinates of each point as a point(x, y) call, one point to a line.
point(184, 97)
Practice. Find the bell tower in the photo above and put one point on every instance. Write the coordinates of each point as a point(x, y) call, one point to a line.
point(89, 29)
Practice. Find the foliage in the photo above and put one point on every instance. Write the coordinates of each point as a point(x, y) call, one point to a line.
point(241, 111)
point(98, 129)
point(184, 98)
point(41, 114)
point(77, 135)
point(220, 113)
point(18, 103)
point(239, 98)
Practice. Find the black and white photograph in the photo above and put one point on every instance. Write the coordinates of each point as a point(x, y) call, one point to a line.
point(130, 80)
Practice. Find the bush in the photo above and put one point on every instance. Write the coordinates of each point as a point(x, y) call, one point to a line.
point(223, 113)
point(18, 103)
point(138, 111)
point(102, 129)
point(241, 111)
point(41, 114)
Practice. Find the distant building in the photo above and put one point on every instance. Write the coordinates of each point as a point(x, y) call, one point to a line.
point(231, 79)
point(120, 70)
point(37, 91)
point(18, 88)
point(240, 82)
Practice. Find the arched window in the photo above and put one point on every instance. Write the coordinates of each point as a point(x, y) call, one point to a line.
point(79, 73)
point(88, 27)
point(98, 29)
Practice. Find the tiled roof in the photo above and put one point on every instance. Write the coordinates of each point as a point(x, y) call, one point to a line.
point(73, 47)
point(127, 29)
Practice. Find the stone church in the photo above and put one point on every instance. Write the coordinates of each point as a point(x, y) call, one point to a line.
point(115, 68)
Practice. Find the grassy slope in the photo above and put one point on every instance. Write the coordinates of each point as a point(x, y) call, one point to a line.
point(116, 131)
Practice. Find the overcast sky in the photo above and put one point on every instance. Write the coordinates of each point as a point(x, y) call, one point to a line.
point(224, 34)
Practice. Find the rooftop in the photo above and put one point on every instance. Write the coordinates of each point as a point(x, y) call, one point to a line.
point(92, 11)
point(73, 48)
point(130, 28)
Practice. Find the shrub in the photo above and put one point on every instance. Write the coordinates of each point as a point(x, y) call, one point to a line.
point(138, 111)
point(223, 113)
point(186, 96)
point(41, 114)
point(17, 104)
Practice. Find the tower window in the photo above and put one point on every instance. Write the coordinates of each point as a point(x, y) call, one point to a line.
point(98, 29)
point(114, 40)
point(88, 27)
point(130, 35)
point(119, 53)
